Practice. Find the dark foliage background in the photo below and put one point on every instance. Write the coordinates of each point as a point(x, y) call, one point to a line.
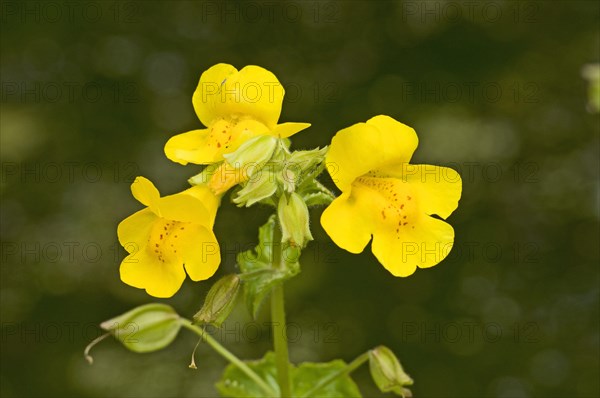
point(91, 91)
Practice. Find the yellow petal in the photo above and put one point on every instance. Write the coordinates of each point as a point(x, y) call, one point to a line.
point(225, 178)
point(210, 201)
point(285, 130)
point(366, 147)
point(201, 253)
point(253, 91)
point(184, 208)
point(438, 189)
point(401, 140)
point(145, 192)
point(143, 270)
point(425, 245)
point(226, 136)
point(242, 131)
point(347, 222)
point(192, 147)
point(209, 145)
point(208, 88)
point(133, 231)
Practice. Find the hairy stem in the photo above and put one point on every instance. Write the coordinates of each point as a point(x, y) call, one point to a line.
point(278, 320)
point(241, 365)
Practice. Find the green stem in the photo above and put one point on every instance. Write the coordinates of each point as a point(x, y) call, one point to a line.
point(241, 365)
point(351, 367)
point(280, 341)
point(278, 320)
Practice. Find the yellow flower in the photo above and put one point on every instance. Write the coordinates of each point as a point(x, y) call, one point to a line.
point(171, 231)
point(234, 106)
point(385, 197)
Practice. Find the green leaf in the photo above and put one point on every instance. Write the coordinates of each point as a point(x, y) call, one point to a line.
point(146, 328)
point(257, 272)
point(308, 374)
point(235, 384)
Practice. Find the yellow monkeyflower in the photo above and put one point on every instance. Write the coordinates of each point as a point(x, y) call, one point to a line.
point(234, 106)
point(171, 233)
point(385, 197)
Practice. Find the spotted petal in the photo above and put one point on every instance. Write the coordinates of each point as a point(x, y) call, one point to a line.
point(438, 188)
point(191, 147)
point(424, 246)
point(144, 271)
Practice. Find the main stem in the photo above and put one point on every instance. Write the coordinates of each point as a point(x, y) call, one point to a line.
point(278, 320)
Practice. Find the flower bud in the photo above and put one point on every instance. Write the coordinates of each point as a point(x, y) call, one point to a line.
point(252, 154)
point(146, 328)
point(288, 180)
point(294, 220)
point(260, 187)
point(387, 372)
point(241, 165)
point(219, 302)
point(307, 161)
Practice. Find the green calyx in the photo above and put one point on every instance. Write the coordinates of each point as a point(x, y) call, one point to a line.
point(219, 302)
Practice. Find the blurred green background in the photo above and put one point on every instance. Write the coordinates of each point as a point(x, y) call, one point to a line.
point(91, 91)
